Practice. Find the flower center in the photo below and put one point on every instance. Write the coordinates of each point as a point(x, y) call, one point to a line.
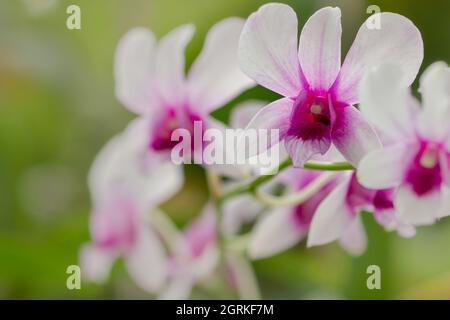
point(311, 117)
point(173, 119)
point(424, 173)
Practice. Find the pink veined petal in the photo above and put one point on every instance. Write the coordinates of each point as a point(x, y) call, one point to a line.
point(332, 218)
point(133, 70)
point(268, 49)
point(352, 135)
point(417, 210)
point(275, 118)
point(147, 263)
point(385, 102)
point(302, 150)
point(215, 77)
point(354, 240)
point(386, 167)
point(396, 42)
point(274, 233)
point(435, 89)
point(320, 48)
point(169, 70)
point(95, 263)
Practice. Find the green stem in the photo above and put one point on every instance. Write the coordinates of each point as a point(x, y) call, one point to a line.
point(252, 185)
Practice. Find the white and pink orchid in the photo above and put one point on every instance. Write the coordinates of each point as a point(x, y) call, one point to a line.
point(415, 159)
point(319, 94)
point(125, 187)
point(151, 81)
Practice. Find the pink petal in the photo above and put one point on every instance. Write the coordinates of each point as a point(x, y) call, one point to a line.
point(146, 262)
point(274, 233)
point(133, 69)
point(320, 48)
point(354, 240)
point(95, 263)
point(332, 218)
point(385, 102)
point(353, 136)
point(244, 112)
point(273, 116)
point(215, 77)
point(435, 89)
point(301, 150)
point(385, 168)
point(169, 72)
point(268, 49)
point(397, 42)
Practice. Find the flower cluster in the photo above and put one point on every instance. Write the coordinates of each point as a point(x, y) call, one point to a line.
point(352, 136)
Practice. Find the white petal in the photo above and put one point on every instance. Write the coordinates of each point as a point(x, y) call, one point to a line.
point(385, 102)
point(169, 72)
point(275, 118)
point(215, 77)
point(414, 209)
point(354, 240)
point(146, 262)
point(95, 263)
point(397, 42)
point(445, 202)
point(134, 67)
point(268, 49)
point(435, 89)
point(320, 48)
point(178, 288)
point(352, 135)
point(244, 112)
point(385, 168)
point(332, 218)
point(273, 233)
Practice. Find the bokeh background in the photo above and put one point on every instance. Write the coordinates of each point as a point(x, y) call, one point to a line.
point(57, 109)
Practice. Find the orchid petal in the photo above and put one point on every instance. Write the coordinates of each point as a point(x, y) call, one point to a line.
point(397, 42)
point(133, 69)
point(268, 49)
point(354, 240)
point(417, 210)
point(320, 48)
point(146, 261)
point(96, 263)
point(384, 101)
point(275, 232)
point(275, 118)
point(435, 89)
point(170, 65)
point(332, 218)
point(352, 135)
point(385, 168)
point(215, 77)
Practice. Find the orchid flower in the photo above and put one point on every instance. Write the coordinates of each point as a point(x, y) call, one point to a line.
point(195, 256)
point(415, 159)
point(124, 189)
point(283, 227)
point(337, 218)
point(150, 79)
point(319, 94)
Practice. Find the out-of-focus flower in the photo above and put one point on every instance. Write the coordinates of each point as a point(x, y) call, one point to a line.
point(416, 157)
point(337, 218)
point(194, 257)
point(151, 82)
point(125, 187)
point(317, 108)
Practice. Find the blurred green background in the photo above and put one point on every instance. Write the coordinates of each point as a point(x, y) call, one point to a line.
point(57, 109)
